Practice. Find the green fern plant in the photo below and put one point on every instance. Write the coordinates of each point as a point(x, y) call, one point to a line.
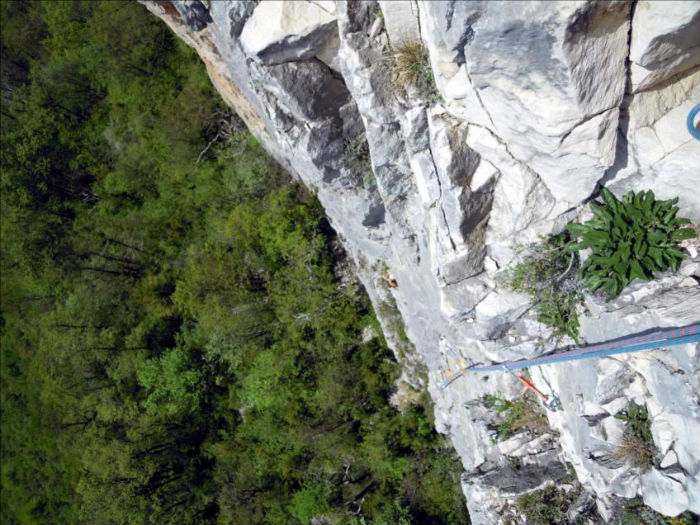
point(629, 239)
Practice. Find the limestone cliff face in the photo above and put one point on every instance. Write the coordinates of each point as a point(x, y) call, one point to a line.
point(542, 104)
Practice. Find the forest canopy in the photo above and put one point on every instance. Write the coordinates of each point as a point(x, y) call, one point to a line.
point(176, 346)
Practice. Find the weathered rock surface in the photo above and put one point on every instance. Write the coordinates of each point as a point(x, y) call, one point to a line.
point(542, 104)
point(401, 21)
point(279, 31)
point(548, 80)
point(666, 42)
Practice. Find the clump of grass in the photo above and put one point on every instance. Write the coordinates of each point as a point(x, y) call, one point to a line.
point(513, 416)
point(547, 274)
point(637, 447)
point(635, 452)
point(411, 69)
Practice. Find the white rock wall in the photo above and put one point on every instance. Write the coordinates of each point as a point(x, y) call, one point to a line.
point(543, 103)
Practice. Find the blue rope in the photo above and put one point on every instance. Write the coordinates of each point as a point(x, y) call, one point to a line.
point(658, 339)
point(694, 130)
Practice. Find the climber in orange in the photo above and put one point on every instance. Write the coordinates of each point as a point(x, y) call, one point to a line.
point(390, 281)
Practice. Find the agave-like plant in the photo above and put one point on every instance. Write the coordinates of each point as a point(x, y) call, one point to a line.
point(629, 239)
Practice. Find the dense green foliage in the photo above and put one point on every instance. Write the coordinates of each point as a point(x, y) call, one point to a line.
point(547, 273)
point(175, 347)
point(630, 239)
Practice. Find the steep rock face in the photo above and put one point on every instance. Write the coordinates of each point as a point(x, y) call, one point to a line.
point(548, 78)
point(278, 32)
point(542, 104)
point(668, 44)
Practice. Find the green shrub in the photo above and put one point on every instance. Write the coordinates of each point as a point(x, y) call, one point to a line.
point(637, 447)
point(630, 239)
point(310, 501)
point(395, 513)
point(545, 507)
point(635, 512)
point(547, 274)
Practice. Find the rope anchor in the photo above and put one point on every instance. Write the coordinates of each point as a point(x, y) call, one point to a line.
point(550, 402)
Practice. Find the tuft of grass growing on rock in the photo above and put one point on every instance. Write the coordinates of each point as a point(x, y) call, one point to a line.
point(547, 274)
point(635, 452)
point(516, 415)
point(411, 69)
point(637, 447)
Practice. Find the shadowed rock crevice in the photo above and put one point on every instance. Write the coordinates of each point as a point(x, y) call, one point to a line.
point(621, 159)
point(308, 89)
point(195, 14)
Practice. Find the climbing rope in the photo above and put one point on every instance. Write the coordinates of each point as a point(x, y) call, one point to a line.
point(657, 339)
point(694, 130)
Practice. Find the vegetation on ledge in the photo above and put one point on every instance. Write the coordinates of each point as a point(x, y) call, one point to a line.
point(514, 416)
point(637, 447)
point(410, 70)
point(547, 273)
point(629, 239)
